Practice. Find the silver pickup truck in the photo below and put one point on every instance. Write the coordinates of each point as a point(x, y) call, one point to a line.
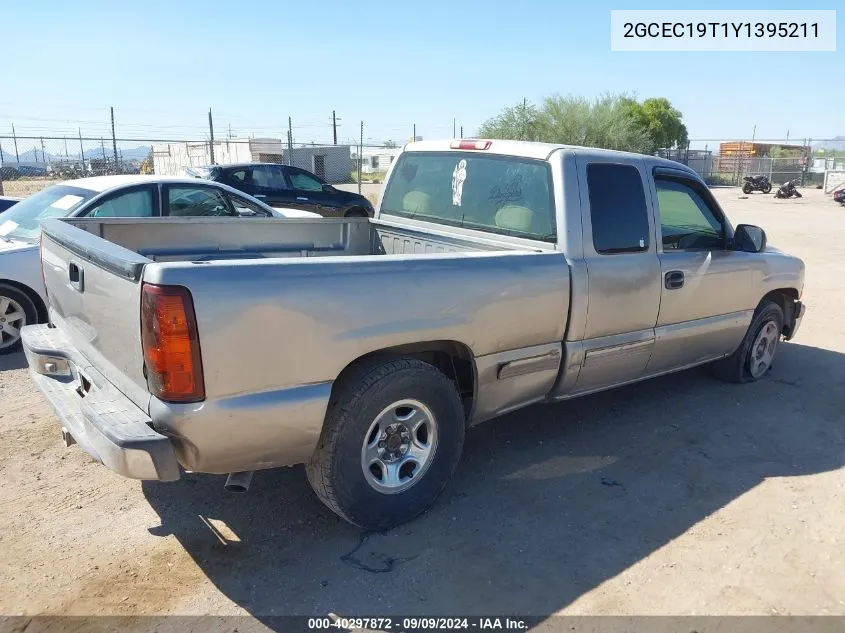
point(495, 274)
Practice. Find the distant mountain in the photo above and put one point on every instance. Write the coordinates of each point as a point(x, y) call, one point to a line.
point(133, 153)
point(32, 156)
point(837, 143)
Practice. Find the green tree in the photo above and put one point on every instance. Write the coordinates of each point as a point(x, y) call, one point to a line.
point(520, 122)
point(610, 121)
point(661, 122)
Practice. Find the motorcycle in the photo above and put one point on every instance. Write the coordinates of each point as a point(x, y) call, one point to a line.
point(839, 196)
point(756, 183)
point(788, 190)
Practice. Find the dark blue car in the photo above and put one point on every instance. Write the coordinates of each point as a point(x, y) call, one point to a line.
point(6, 202)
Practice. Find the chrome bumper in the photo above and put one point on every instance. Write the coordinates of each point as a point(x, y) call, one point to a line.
point(94, 414)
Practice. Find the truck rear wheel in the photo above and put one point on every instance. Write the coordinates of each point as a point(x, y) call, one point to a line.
point(392, 438)
point(755, 355)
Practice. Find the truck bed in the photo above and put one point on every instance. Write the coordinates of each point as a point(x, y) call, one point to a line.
point(284, 306)
point(193, 239)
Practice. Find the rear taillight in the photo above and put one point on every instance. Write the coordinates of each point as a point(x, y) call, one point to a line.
point(171, 344)
point(471, 144)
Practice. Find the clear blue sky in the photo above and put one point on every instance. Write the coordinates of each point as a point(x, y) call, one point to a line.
point(391, 64)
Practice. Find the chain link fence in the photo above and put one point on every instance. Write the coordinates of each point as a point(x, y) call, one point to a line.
point(30, 163)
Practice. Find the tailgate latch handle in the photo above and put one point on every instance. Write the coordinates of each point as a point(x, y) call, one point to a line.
point(76, 275)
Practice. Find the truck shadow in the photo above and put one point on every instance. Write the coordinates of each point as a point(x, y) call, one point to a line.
point(548, 503)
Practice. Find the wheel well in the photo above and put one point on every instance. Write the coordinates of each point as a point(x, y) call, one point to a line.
point(353, 212)
point(785, 298)
point(452, 358)
point(34, 297)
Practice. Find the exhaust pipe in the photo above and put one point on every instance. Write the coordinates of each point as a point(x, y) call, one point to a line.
point(239, 482)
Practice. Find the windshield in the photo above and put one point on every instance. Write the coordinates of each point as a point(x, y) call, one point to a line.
point(23, 221)
point(496, 194)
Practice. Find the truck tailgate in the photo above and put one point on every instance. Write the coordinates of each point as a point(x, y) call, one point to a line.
point(94, 292)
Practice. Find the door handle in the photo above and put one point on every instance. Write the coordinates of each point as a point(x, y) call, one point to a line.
point(673, 280)
point(302, 198)
point(259, 195)
point(76, 276)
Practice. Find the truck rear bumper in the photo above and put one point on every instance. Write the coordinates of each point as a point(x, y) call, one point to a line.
point(94, 414)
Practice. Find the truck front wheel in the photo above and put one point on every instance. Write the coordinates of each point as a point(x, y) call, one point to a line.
point(392, 438)
point(755, 355)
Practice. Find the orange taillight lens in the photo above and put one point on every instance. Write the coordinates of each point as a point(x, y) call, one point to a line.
point(171, 344)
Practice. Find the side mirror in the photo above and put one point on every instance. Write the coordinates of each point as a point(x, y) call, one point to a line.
point(749, 238)
point(245, 213)
point(327, 188)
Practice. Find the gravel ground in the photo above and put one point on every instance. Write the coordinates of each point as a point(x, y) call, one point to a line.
point(680, 495)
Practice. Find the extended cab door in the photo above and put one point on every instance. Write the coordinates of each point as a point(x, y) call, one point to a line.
point(705, 305)
point(622, 269)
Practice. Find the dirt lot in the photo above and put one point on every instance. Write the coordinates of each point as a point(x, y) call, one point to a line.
point(681, 495)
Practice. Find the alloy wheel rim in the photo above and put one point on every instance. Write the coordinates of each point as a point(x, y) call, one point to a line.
point(399, 446)
point(763, 349)
point(12, 319)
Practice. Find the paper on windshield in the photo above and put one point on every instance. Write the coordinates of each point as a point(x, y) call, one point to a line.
point(66, 202)
point(7, 227)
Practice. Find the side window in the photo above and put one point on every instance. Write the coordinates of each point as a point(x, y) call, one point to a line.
point(238, 176)
point(134, 204)
point(617, 208)
point(301, 180)
point(243, 206)
point(268, 177)
point(196, 201)
point(686, 221)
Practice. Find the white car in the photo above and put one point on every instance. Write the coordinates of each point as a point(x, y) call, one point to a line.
point(22, 296)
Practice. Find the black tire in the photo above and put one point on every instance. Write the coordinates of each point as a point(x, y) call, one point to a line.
point(335, 470)
point(357, 212)
point(736, 367)
point(29, 308)
point(746, 188)
point(767, 188)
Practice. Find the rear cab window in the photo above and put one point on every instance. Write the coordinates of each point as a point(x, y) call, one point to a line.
point(506, 195)
point(618, 211)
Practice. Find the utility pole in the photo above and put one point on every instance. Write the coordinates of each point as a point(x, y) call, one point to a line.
point(290, 141)
point(334, 126)
point(114, 141)
point(524, 109)
point(103, 147)
point(414, 138)
point(806, 166)
point(462, 131)
point(211, 135)
point(43, 153)
point(35, 153)
point(750, 151)
point(15, 138)
point(360, 156)
point(65, 140)
point(81, 151)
